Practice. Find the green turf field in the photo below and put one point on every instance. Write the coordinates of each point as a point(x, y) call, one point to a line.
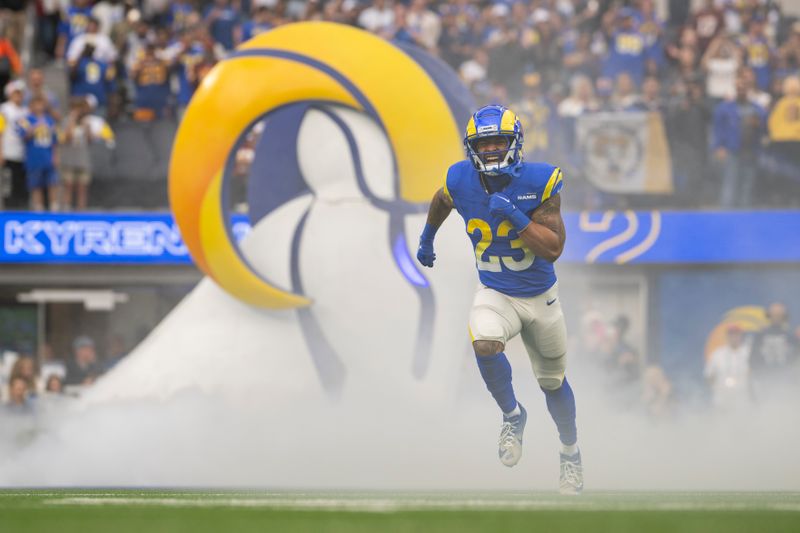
point(144, 511)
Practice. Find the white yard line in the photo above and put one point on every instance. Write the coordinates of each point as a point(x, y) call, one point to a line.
point(378, 504)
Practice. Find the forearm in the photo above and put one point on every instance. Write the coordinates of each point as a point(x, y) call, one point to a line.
point(441, 205)
point(439, 210)
point(542, 241)
point(545, 235)
point(61, 44)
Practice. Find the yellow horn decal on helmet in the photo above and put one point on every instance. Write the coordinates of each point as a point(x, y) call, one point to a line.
point(320, 62)
point(507, 120)
point(471, 127)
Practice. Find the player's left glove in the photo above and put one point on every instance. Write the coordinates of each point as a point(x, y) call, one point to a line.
point(425, 254)
point(501, 205)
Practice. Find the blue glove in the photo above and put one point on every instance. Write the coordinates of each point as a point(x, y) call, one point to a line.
point(425, 253)
point(501, 205)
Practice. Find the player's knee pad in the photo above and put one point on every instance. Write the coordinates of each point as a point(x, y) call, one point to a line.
point(550, 382)
point(549, 371)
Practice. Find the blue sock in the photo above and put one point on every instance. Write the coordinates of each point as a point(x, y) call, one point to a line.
point(496, 373)
point(561, 404)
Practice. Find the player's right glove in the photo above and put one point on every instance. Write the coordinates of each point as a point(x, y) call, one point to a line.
point(501, 205)
point(425, 253)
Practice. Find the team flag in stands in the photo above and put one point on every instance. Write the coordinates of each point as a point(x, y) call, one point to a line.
point(625, 152)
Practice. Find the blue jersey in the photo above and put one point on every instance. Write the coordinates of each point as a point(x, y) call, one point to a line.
point(75, 23)
point(504, 263)
point(627, 53)
point(757, 56)
point(40, 140)
point(187, 62)
point(179, 15)
point(152, 85)
point(93, 77)
point(221, 28)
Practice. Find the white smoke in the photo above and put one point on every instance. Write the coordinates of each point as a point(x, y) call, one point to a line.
point(384, 436)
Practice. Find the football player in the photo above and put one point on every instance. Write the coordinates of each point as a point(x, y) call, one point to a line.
point(512, 212)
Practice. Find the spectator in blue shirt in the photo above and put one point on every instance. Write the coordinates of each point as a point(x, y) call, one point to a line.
point(758, 54)
point(180, 14)
point(222, 19)
point(38, 129)
point(74, 23)
point(652, 28)
point(738, 126)
point(93, 76)
point(627, 49)
point(150, 76)
point(185, 53)
point(259, 24)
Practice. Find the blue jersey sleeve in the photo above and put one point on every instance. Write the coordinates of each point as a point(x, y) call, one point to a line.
point(452, 181)
point(554, 184)
point(550, 180)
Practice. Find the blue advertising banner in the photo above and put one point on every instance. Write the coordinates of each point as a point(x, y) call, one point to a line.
point(92, 238)
point(686, 237)
point(616, 237)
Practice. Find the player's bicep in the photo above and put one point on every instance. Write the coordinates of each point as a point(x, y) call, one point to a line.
point(440, 208)
point(443, 195)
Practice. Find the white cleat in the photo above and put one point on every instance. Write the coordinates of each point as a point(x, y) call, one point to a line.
point(510, 444)
point(571, 474)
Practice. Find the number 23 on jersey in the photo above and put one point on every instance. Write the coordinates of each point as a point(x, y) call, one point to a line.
point(492, 263)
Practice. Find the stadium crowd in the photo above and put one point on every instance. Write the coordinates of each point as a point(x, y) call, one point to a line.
point(26, 376)
point(753, 365)
point(722, 76)
point(749, 364)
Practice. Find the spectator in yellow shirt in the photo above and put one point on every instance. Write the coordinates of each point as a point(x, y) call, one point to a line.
point(784, 121)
